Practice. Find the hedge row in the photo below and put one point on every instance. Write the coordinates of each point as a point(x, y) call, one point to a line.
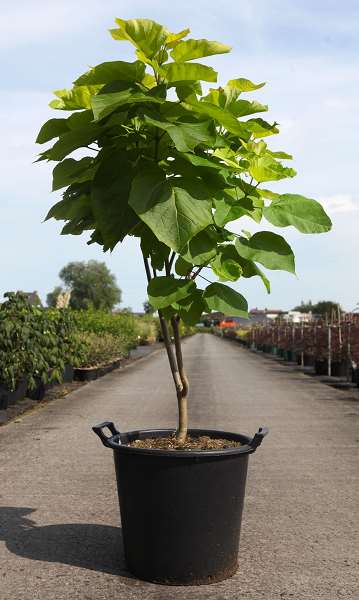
point(36, 344)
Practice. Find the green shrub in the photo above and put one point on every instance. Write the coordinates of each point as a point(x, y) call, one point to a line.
point(122, 325)
point(99, 350)
point(148, 329)
point(35, 343)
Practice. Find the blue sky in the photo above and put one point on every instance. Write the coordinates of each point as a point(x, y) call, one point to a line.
point(307, 52)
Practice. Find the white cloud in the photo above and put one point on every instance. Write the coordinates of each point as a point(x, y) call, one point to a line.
point(339, 203)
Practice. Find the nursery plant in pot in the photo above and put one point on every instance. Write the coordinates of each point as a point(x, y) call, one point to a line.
point(21, 347)
point(173, 163)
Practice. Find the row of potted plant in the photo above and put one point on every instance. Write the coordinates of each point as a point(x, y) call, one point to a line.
point(36, 347)
point(41, 347)
point(331, 348)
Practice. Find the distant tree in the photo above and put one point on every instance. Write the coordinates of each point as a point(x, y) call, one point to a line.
point(92, 285)
point(148, 308)
point(323, 307)
point(52, 297)
point(304, 307)
point(327, 307)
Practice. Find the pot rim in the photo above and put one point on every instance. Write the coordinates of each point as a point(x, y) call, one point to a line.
point(118, 442)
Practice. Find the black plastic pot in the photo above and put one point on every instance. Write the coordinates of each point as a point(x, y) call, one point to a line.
point(39, 391)
point(68, 374)
point(86, 373)
point(92, 373)
point(308, 359)
point(339, 368)
point(321, 367)
point(181, 511)
point(7, 397)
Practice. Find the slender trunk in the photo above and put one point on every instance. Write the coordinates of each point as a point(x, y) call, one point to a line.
point(175, 362)
point(171, 357)
point(182, 398)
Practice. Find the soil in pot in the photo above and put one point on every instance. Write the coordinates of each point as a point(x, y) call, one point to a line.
point(203, 442)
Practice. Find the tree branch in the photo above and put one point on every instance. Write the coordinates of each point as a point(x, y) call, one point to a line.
point(172, 257)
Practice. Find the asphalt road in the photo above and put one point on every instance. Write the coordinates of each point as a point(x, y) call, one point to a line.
point(59, 534)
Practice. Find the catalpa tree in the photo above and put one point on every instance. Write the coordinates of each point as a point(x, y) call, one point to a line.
point(173, 165)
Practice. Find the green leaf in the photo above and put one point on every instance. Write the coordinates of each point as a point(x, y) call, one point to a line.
point(220, 297)
point(163, 291)
point(152, 248)
point(182, 267)
point(233, 204)
point(269, 249)
point(109, 197)
point(261, 128)
point(75, 99)
point(191, 308)
point(223, 117)
point(186, 136)
point(71, 171)
point(305, 214)
point(242, 108)
point(146, 35)
point(172, 39)
point(105, 104)
point(250, 269)
point(266, 168)
point(69, 208)
point(174, 72)
point(116, 70)
point(200, 161)
point(71, 141)
point(243, 85)
point(76, 209)
point(201, 248)
point(268, 194)
point(191, 49)
point(226, 265)
point(51, 129)
point(175, 208)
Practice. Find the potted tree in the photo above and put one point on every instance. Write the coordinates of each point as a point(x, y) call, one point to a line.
point(172, 163)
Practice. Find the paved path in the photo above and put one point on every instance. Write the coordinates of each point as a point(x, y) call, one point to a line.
point(300, 537)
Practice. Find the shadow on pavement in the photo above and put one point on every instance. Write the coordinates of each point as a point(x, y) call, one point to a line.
point(86, 545)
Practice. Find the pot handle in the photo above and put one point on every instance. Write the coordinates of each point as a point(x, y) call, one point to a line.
point(98, 429)
point(258, 438)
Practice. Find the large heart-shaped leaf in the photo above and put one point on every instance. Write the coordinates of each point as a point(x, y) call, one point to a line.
point(105, 104)
point(71, 171)
point(266, 168)
point(222, 116)
point(186, 136)
point(116, 70)
point(201, 248)
point(145, 34)
point(75, 99)
point(109, 198)
point(163, 291)
point(305, 214)
point(222, 298)
point(269, 249)
point(175, 208)
point(51, 129)
point(191, 49)
point(188, 72)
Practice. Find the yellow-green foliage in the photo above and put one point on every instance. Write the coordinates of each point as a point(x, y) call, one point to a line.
point(101, 349)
